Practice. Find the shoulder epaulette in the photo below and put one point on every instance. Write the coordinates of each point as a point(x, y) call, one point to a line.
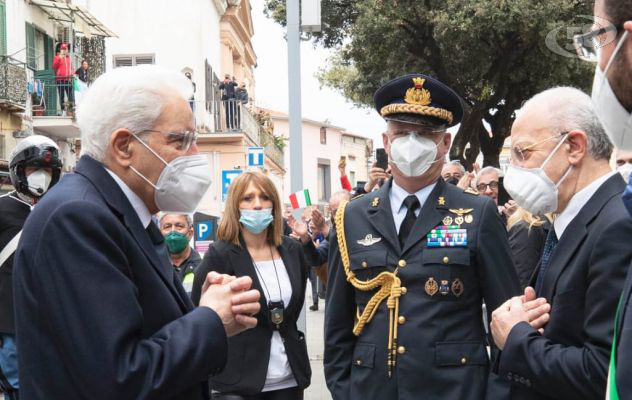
point(357, 197)
point(471, 191)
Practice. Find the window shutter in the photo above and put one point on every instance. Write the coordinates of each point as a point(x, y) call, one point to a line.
point(49, 52)
point(3, 28)
point(30, 46)
point(145, 59)
point(123, 62)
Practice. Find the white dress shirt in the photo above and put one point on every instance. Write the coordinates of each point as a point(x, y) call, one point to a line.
point(397, 197)
point(576, 203)
point(139, 205)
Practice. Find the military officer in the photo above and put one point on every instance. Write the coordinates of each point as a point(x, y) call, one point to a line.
point(411, 264)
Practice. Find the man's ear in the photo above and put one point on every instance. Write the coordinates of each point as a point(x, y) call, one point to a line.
point(120, 141)
point(578, 142)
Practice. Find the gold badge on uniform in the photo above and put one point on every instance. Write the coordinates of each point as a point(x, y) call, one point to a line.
point(461, 213)
point(447, 220)
point(457, 287)
point(469, 218)
point(459, 220)
point(431, 287)
point(375, 202)
point(441, 201)
point(369, 240)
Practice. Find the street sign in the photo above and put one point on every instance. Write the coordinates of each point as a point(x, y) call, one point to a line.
point(203, 230)
point(228, 176)
point(255, 156)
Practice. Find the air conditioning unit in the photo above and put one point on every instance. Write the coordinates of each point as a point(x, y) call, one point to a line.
point(310, 15)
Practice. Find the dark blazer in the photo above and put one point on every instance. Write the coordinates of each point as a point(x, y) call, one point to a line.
point(526, 245)
point(249, 352)
point(316, 256)
point(624, 341)
point(582, 283)
point(13, 213)
point(100, 314)
point(442, 344)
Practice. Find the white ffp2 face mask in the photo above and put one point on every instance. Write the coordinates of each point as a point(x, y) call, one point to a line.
point(532, 189)
point(413, 154)
point(616, 120)
point(181, 184)
point(38, 182)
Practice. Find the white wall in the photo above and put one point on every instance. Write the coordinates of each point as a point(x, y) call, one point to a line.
point(18, 13)
point(180, 34)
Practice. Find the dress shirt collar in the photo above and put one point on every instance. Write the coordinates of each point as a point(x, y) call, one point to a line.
point(139, 206)
point(398, 194)
point(576, 203)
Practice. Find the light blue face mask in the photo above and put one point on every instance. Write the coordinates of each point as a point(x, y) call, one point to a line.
point(256, 221)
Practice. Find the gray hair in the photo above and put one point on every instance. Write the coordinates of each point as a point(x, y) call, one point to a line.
point(486, 171)
point(458, 164)
point(188, 217)
point(340, 195)
point(573, 109)
point(126, 97)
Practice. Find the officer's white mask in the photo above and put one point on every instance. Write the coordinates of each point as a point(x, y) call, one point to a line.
point(413, 154)
point(625, 170)
point(616, 120)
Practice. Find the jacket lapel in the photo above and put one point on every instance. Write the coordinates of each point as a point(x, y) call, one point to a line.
point(576, 232)
point(380, 215)
point(243, 266)
point(430, 216)
point(292, 272)
point(95, 172)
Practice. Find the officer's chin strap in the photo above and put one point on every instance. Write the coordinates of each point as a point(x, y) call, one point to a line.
point(390, 286)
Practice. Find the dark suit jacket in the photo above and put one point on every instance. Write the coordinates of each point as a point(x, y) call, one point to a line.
point(249, 352)
point(582, 283)
point(443, 341)
point(100, 314)
point(624, 341)
point(316, 256)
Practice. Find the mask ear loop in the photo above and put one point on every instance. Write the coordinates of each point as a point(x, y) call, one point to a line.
point(154, 153)
point(568, 171)
point(615, 53)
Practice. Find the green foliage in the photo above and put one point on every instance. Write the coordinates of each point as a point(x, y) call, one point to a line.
point(491, 52)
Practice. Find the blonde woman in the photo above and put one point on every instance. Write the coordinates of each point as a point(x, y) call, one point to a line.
point(268, 362)
point(527, 234)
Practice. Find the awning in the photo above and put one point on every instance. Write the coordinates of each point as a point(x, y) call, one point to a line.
point(81, 18)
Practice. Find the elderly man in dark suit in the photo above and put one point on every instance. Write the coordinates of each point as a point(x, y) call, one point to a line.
point(101, 313)
point(560, 164)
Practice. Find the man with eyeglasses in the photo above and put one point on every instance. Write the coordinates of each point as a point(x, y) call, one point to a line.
point(411, 264)
point(102, 313)
point(560, 163)
point(487, 183)
point(609, 44)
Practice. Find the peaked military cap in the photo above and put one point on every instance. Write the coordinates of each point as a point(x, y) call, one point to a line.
point(420, 95)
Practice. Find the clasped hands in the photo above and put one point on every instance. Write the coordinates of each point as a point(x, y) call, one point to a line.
point(527, 308)
point(233, 300)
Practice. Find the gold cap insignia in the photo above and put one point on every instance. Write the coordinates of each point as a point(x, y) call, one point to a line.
point(417, 94)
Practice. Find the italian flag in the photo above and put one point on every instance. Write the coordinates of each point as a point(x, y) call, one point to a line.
point(300, 199)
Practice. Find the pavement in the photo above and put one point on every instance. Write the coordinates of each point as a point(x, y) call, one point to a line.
point(315, 345)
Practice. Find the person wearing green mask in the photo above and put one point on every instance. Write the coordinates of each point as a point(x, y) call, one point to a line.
point(178, 231)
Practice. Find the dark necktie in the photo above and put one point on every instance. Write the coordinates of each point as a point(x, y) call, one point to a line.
point(412, 203)
point(549, 248)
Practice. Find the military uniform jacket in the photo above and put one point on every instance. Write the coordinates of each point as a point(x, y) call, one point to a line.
point(441, 345)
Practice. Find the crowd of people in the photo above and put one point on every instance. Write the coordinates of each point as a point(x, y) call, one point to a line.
point(439, 282)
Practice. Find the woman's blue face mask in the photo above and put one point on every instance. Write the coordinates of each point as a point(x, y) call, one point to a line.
point(256, 221)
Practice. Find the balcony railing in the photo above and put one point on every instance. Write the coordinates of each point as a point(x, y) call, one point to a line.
point(271, 149)
point(13, 81)
point(47, 100)
point(234, 116)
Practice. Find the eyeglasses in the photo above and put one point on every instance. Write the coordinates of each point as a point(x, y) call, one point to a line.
point(588, 45)
point(493, 185)
point(521, 154)
point(180, 140)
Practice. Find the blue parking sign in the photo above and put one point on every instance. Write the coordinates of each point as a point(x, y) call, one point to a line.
point(203, 230)
point(228, 175)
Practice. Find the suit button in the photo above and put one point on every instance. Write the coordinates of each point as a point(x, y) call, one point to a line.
point(401, 349)
point(401, 320)
point(402, 263)
point(404, 290)
point(358, 362)
point(364, 264)
point(446, 260)
point(463, 361)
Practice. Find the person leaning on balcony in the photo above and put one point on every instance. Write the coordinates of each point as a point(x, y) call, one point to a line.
point(228, 97)
point(62, 65)
point(269, 362)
